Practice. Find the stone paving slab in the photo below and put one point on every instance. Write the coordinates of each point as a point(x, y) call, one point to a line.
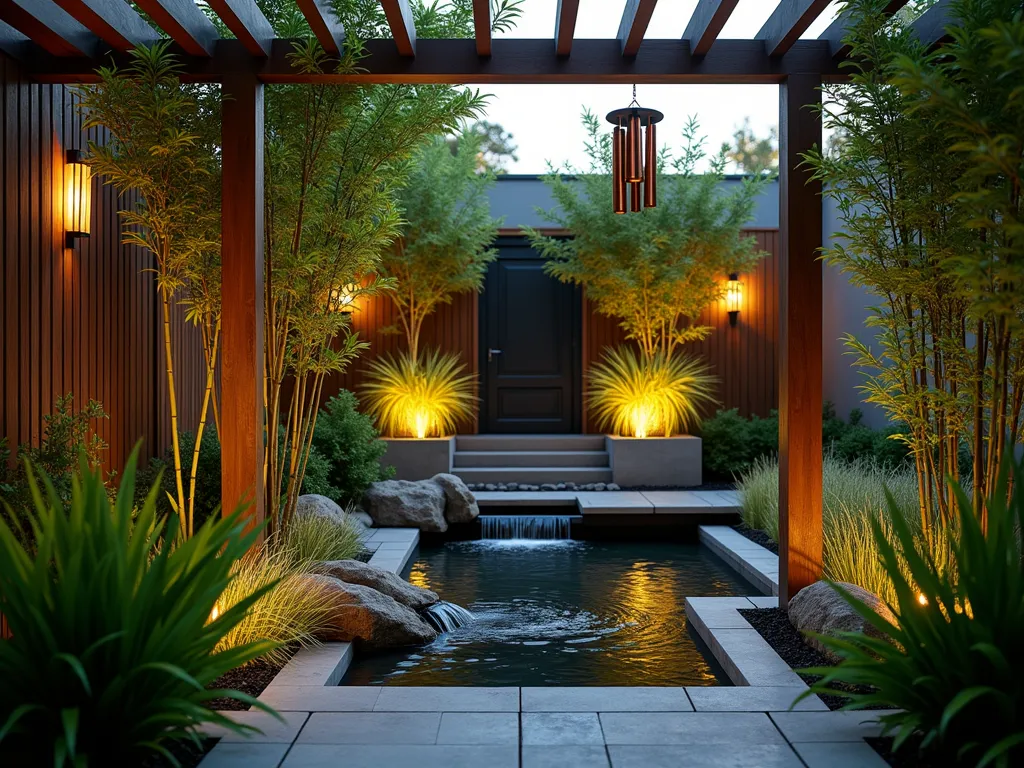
point(757, 564)
point(565, 757)
point(322, 665)
point(272, 730)
point(690, 728)
point(400, 756)
point(561, 729)
point(749, 698)
point(718, 612)
point(749, 660)
point(849, 754)
point(525, 498)
point(613, 503)
point(371, 728)
point(248, 755)
point(828, 726)
point(704, 756)
point(605, 699)
point(481, 728)
point(447, 699)
point(321, 698)
point(761, 601)
point(682, 503)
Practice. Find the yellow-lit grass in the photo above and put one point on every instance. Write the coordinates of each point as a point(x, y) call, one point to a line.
point(289, 614)
point(632, 395)
point(419, 398)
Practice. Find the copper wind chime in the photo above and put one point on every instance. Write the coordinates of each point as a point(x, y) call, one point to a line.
point(634, 157)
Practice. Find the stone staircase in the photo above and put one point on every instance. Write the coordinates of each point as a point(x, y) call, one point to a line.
point(534, 459)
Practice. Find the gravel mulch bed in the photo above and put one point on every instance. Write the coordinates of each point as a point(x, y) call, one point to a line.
point(252, 679)
point(774, 626)
point(758, 537)
point(513, 487)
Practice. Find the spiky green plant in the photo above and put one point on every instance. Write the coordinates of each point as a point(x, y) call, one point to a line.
point(631, 394)
point(287, 612)
point(954, 670)
point(312, 539)
point(425, 397)
point(112, 643)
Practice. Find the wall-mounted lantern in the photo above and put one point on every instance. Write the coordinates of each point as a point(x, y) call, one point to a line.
point(341, 298)
point(733, 297)
point(77, 197)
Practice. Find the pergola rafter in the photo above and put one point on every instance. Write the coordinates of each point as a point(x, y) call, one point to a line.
point(837, 30)
point(66, 40)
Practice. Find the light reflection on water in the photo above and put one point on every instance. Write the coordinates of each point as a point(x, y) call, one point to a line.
point(560, 613)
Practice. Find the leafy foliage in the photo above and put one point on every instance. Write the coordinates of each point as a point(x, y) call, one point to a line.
point(753, 154)
point(655, 270)
point(496, 146)
point(350, 447)
point(954, 668)
point(444, 248)
point(419, 398)
point(112, 643)
point(638, 396)
point(314, 539)
point(927, 182)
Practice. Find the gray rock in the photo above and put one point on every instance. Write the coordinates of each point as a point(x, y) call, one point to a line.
point(315, 505)
point(570, 486)
point(613, 487)
point(587, 487)
point(502, 487)
point(820, 608)
point(358, 613)
point(599, 486)
point(407, 504)
point(385, 582)
point(490, 487)
point(361, 517)
point(548, 487)
point(460, 504)
point(513, 486)
point(560, 487)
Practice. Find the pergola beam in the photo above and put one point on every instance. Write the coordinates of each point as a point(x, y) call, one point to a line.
point(633, 25)
point(565, 26)
point(403, 30)
point(112, 21)
point(512, 61)
point(789, 20)
point(837, 29)
point(482, 26)
point(49, 26)
point(13, 42)
point(930, 26)
point(184, 23)
point(327, 28)
point(706, 24)
point(247, 22)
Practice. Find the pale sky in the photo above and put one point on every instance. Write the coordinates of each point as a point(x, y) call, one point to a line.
point(545, 119)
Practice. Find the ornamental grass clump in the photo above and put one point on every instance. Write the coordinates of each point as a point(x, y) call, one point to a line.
point(419, 397)
point(313, 539)
point(634, 395)
point(112, 642)
point(954, 669)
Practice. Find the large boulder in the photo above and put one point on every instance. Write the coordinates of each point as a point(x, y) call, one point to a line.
point(386, 582)
point(821, 609)
point(315, 505)
point(359, 516)
point(361, 614)
point(460, 503)
point(406, 504)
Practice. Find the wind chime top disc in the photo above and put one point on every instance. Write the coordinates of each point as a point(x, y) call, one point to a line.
point(619, 116)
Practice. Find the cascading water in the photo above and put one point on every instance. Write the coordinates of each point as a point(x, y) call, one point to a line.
point(446, 617)
point(549, 527)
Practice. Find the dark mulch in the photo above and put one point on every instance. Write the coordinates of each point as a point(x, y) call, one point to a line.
point(363, 556)
point(909, 755)
point(758, 537)
point(774, 626)
point(252, 679)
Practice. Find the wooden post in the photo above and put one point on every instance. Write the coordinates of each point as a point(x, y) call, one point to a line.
point(800, 397)
point(242, 422)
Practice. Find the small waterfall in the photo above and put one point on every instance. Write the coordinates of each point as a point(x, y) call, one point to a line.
point(445, 616)
point(524, 526)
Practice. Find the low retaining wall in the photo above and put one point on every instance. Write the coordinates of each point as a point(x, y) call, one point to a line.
point(655, 461)
point(418, 459)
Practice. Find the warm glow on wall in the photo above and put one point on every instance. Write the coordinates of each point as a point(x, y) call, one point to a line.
point(77, 197)
point(733, 297)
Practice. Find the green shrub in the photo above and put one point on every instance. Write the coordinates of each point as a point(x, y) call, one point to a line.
point(955, 671)
point(853, 494)
point(350, 446)
point(313, 539)
point(112, 639)
point(725, 444)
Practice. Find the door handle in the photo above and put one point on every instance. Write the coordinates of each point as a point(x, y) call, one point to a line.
point(491, 353)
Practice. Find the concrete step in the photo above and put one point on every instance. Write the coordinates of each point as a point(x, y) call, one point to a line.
point(534, 475)
point(529, 443)
point(508, 459)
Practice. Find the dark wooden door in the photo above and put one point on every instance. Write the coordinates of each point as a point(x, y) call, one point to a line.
point(530, 346)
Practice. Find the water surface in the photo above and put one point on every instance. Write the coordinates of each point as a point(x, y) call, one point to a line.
point(561, 613)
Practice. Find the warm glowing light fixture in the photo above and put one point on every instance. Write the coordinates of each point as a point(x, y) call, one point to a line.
point(733, 297)
point(922, 599)
point(77, 197)
point(341, 298)
point(214, 613)
point(634, 157)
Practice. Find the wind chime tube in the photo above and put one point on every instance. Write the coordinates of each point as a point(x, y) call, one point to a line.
point(636, 194)
point(650, 168)
point(634, 150)
point(618, 169)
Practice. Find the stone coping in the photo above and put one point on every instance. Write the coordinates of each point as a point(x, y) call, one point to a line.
point(758, 565)
point(725, 503)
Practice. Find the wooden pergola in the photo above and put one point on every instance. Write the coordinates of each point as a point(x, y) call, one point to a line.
point(64, 41)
